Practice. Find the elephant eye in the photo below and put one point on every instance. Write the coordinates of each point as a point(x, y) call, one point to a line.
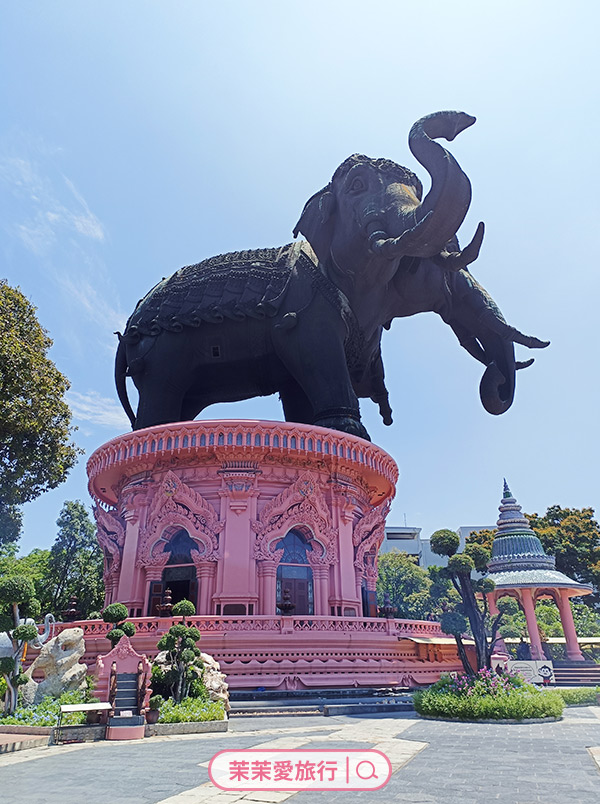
point(357, 186)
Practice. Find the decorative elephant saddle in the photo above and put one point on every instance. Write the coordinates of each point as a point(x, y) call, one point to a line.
point(242, 284)
point(237, 285)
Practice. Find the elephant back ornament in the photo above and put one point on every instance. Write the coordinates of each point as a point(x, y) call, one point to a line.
point(306, 319)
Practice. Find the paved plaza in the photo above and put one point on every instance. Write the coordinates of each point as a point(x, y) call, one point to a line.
point(432, 762)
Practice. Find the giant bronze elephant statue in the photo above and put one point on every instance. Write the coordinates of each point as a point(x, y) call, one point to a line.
point(306, 319)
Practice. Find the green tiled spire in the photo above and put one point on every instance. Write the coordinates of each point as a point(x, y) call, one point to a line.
point(516, 546)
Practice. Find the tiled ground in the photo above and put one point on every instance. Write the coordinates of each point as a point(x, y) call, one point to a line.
point(432, 761)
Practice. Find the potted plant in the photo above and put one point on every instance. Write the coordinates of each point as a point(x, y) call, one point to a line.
point(153, 711)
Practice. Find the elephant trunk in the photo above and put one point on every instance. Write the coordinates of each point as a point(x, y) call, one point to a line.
point(481, 329)
point(430, 226)
point(497, 386)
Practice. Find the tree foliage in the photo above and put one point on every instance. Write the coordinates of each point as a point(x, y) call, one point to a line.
point(184, 665)
point(572, 536)
point(472, 607)
point(35, 421)
point(17, 601)
point(75, 563)
point(406, 583)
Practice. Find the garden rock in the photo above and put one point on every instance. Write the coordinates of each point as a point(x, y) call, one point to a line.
point(59, 662)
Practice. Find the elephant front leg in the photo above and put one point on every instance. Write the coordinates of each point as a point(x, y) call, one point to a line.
point(316, 359)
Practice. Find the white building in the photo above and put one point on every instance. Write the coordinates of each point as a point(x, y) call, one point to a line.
point(409, 540)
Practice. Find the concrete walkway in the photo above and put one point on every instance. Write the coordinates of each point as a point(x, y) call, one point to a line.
point(432, 762)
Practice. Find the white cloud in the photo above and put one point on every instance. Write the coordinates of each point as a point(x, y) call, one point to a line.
point(50, 211)
point(92, 407)
point(93, 304)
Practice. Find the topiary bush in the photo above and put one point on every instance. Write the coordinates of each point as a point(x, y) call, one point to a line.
point(182, 673)
point(579, 695)
point(117, 613)
point(487, 696)
point(191, 710)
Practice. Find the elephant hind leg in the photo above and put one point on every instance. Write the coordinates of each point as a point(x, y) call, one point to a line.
point(297, 407)
point(160, 405)
point(190, 409)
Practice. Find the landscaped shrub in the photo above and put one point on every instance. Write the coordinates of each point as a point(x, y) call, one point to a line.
point(181, 673)
point(579, 695)
point(487, 696)
point(46, 713)
point(191, 710)
point(117, 613)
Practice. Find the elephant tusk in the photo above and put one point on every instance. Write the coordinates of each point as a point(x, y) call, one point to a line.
point(457, 260)
point(523, 364)
point(510, 333)
point(392, 247)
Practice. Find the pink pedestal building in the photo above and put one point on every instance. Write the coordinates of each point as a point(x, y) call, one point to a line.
point(232, 514)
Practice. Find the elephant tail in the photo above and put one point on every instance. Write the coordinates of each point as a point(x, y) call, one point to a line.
point(120, 374)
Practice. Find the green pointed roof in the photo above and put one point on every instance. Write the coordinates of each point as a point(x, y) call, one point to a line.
point(518, 558)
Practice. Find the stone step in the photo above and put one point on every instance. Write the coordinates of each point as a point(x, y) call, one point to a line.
point(132, 720)
point(19, 742)
point(320, 705)
point(315, 693)
point(371, 708)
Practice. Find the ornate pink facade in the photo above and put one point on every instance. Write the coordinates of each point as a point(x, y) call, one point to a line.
point(237, 489)
point(234, 515)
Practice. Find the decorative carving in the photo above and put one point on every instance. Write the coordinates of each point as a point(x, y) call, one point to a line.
point(176, 504)
point(369, 533)
point(111, 538)
point(300, 504)
point(239, 483)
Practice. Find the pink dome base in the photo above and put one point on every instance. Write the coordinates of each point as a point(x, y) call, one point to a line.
point(206, 508)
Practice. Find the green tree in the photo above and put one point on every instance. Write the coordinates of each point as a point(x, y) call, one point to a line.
point(183, 655)
point(35, 451)
point(17, 601)
point(572, 536)
point(75, 562)
point(406, 583)
point(472, 611)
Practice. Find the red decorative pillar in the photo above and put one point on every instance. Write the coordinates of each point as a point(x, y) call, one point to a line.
point(537, 654)
point(205, 575)
point(267, 575)
point(566, 617)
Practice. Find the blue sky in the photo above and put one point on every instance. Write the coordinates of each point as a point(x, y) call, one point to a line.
point(137, 137)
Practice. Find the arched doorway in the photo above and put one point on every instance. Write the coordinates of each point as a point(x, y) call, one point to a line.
point(294, 573)
point(178, 575)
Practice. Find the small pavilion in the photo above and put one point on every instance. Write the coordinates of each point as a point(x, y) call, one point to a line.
point(521, 569)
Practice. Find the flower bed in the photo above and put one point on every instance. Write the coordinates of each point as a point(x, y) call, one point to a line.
point(487, 696)
point(191, 710)
point(46, 713)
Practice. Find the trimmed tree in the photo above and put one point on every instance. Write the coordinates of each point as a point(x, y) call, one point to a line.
point(17, 601)
point(116, 613)
point(183, 656)
point(472, 611)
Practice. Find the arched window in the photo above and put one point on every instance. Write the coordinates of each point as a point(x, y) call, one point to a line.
point(179, 574)
point(294, 573)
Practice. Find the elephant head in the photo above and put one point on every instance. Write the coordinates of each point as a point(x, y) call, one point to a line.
point(372, 213)
point(400, 254)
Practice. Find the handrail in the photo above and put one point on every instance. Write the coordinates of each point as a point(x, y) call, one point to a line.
point(265, 622)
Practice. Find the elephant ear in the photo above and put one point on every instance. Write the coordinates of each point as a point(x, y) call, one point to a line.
point(317, 220)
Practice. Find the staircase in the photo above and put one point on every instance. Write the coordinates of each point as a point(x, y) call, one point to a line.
point(121, 726)
point(319, 702)
point(577, 674)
